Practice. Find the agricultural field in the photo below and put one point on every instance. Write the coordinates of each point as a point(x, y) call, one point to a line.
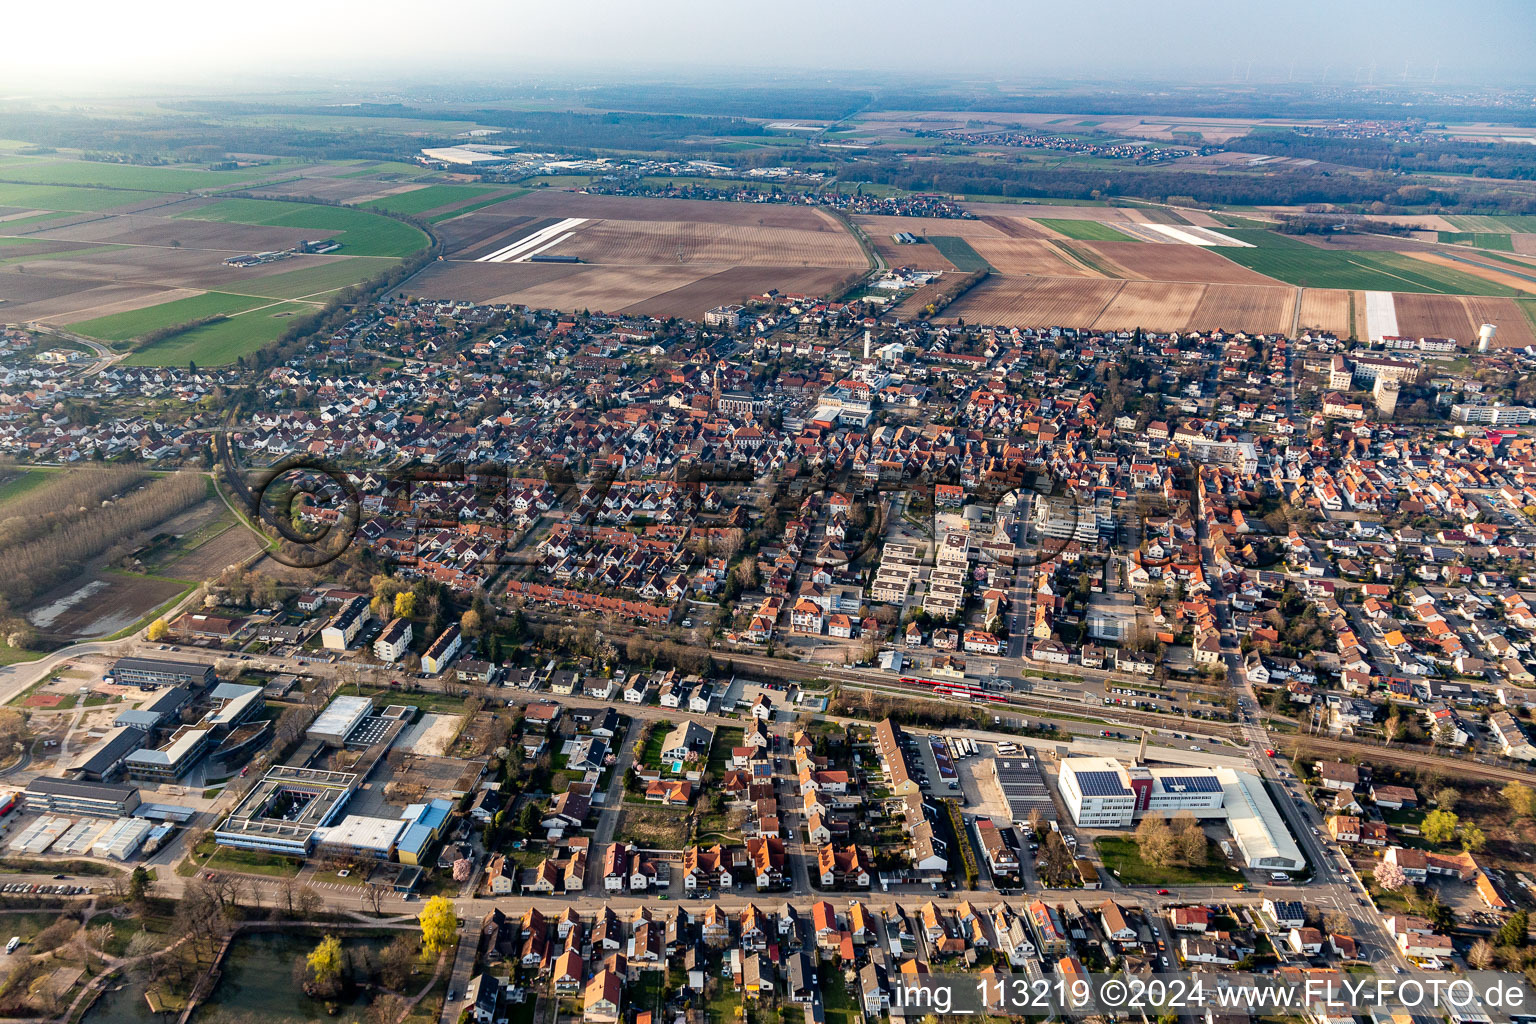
point(1459, 316)
point(1026, 257)
point(223, 341)
point(959, 253)
point(1312, 267)
point(360, 233)
point(1477, 239)
point(1085, 230)
point(127, 326)
point(431, 197)
point(657, 256)
point(1328, 310)
point(55, 171)
point(1192, 263)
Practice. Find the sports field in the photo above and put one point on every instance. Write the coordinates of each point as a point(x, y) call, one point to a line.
point(126, 326)
point(1084, 230)
point(360, 233)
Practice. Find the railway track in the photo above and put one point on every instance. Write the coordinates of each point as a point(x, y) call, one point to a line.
point(1409, 758)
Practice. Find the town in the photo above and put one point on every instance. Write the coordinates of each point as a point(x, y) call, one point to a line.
point(780, 658)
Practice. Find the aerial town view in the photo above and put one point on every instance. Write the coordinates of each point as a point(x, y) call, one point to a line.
point(822, 514)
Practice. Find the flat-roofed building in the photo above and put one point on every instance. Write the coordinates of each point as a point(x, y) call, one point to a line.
point(340, 717)
point(282, 813)
point(358, 835)
point(73, 796)
point(153, 673)
point(171, 760)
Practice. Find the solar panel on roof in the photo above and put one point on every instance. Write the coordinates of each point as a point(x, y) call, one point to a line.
point(1101, 784)
point(1191, 783)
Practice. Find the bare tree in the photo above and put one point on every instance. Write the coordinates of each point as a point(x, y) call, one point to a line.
point(373, 895)
point(309, 902)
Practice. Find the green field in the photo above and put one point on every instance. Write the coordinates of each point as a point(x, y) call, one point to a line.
point(388, 168)
point(326, 277)
point(225, 340)
point(15, 483)
point(959, 252)
point(360, 233)
point(1495, 224)
point(429, 198)
point(1481, 239)
point(1266, 239)
point(148, 179)
point(1367, 271)
point(65, 199)
point(1086, 230)
point(1122, 857)
point(129, 325)
point(472, 207)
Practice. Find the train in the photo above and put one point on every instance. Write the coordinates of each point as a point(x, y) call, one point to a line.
point(958, 690)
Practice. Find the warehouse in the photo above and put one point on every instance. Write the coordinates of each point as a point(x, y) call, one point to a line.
point(107, 757)
point(122, 838)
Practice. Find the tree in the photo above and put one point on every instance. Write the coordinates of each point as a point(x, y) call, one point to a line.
point(138, 885)
point(325, 961)
point(1512, 933)
point(386, 1008)
point(373, 894)
point(439, 925)
point(1439, 826)
point(1156, 842)
point(1190, 840)
point(158, 631)
point(1480, 956)
point(405, 604)
point(396, 961)
point(462, 869)
point(1447, 797)
point(1473, 839)
point(470, 622)
point(1390, 877)
point(1521, 799)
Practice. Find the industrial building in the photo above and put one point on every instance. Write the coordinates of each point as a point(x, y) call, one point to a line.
point(106, 758)
point(1100, 792)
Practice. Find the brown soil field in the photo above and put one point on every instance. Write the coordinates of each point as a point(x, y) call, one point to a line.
point(123, 601)
point(739, 283)
point(955, 227)
point(1460, 316)
point(1041, 301)
point(341, 190)
point(1326, 309)
point(1018, 227)
point(471, 237)
point(1236, 307)
point(1432, 316)
point(1482, 270)
point(1156, 306)
point(1424, 222)
point(1026, 257)
point(1031, 211)
point(175, 268)
point(1192, 263)
point(65, 299)
point(1524, 242)
point(1366, 243)
point(210, 558)
point(679, 243)
point(1515, 328)
point(559, 203)
point(920, 255)
point(555, 285)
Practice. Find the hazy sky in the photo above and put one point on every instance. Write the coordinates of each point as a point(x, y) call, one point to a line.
point(87, 42)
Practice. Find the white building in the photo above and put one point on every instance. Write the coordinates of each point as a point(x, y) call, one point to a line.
point(394, 641)
point(442, 650)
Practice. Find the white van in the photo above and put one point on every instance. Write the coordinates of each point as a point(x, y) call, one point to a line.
point(10, 947)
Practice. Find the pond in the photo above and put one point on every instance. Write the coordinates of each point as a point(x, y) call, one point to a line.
point(256, 987)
